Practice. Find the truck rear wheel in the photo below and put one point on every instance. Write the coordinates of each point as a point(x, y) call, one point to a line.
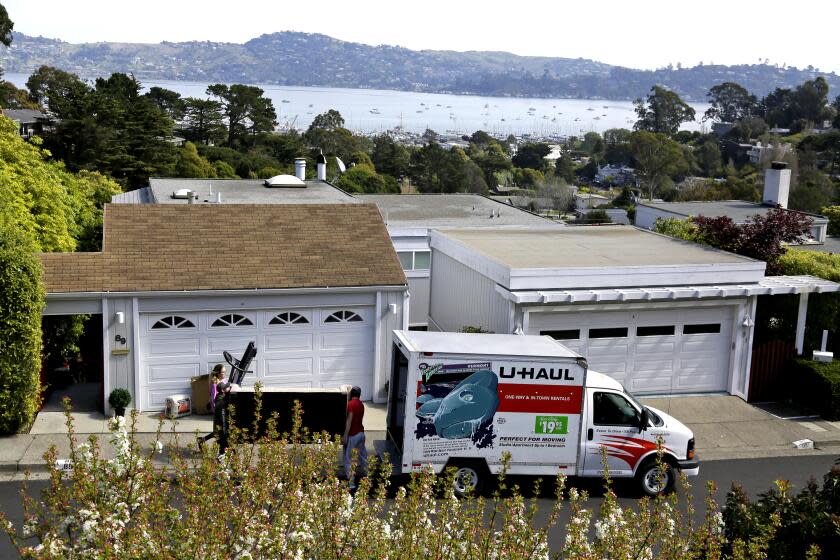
point(470, 477)
point(653, 480)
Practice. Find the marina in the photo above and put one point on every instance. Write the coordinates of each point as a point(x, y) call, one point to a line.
point(372, 111)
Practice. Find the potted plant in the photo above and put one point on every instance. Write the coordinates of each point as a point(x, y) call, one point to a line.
point(119, 399)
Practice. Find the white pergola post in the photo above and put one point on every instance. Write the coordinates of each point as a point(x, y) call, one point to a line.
point(800, 322)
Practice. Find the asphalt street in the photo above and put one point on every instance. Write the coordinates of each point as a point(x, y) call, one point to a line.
point(754, 475)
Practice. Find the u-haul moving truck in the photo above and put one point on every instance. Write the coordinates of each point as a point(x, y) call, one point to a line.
point(464, 400)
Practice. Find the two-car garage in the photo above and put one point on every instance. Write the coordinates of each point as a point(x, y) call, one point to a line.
point(297, 347)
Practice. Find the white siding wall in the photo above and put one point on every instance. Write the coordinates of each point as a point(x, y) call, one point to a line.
point(646, 216)
point(418, 287)
point(389, 322)
point(459, 296)
point(119, 365)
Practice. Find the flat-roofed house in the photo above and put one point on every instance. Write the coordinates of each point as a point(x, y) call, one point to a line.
point(661, 315)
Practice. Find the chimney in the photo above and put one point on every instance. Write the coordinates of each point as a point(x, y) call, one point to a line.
point(777, 184)
point(322, 167)
point(300, 168)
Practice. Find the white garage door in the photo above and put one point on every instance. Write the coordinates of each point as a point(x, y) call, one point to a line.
point(663, 351)
point(295, 348)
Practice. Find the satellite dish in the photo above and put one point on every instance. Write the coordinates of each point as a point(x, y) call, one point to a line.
point(341, 167)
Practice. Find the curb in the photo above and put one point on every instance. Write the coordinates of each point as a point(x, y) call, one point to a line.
point(10, 466)
point(820, 448)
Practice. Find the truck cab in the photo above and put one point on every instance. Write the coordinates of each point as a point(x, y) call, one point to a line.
point(627, 434)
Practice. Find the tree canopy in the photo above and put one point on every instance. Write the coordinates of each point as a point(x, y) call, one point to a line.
point(663, 111)
point(657, 158)
point(58, 210)
point(730, 102)
point(6, 26)
point(247, 111)
point(532, 155)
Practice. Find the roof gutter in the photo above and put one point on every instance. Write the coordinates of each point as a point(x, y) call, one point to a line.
point(240, 292)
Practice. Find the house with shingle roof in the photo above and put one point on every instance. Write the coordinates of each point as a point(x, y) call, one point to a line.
point(318, 291)
point(409, 218)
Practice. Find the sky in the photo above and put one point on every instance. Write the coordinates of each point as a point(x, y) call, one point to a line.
point(633, 33)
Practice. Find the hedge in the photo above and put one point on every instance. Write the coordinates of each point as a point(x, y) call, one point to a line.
point(816, 386)
point(21, 303)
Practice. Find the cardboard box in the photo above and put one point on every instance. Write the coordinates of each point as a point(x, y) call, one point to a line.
point(200, 394)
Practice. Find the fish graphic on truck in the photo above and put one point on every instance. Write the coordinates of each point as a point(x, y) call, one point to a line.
point(465, 406)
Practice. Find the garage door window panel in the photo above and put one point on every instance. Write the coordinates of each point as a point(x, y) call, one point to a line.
point(232, 320)
point(173, 322)
point(706, 328)
point(343, 316)
point(662, 330)
point(288, 318)
point(611, 409)
point(610, 332)
point(568, 334)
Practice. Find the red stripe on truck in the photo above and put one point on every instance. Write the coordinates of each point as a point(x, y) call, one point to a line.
point(517, 397)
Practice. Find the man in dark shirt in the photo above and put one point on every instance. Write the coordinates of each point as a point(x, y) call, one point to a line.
point(354, 436)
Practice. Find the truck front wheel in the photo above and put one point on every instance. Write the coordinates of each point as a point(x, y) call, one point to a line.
point(653, 479)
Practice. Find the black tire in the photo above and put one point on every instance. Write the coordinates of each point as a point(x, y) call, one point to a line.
point(470, 477)
point(649, 478)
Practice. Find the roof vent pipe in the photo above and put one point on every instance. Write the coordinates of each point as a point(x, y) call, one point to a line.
point(218, 198)
point(300, 168)
point(322, 167)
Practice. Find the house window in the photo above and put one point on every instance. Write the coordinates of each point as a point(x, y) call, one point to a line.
point(706, 328)
point(422, 260)
point(344, 316)
point(665, 330)
point(569, 334)
point(613, 332)
point(289, 318)
point(415, 260)
point(232, 320)
point(173, 322)
point(406, 260)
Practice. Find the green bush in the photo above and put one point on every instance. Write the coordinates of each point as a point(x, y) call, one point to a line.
point(596, 217)
point(21, 302)
point(119, 398)
point(817, 387)
point(823, 309)
point(833, 215)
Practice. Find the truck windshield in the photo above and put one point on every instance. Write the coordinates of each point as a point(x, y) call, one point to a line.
point(654, 417)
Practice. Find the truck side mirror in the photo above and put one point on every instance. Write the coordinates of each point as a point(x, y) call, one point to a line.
point(644, 421)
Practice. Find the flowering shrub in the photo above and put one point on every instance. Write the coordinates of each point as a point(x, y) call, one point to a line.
point(808, 523)
point(279, 498)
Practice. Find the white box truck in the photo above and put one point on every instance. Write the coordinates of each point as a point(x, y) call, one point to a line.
point(463, 400)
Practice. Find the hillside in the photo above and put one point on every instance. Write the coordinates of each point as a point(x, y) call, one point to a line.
point(303, 59)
